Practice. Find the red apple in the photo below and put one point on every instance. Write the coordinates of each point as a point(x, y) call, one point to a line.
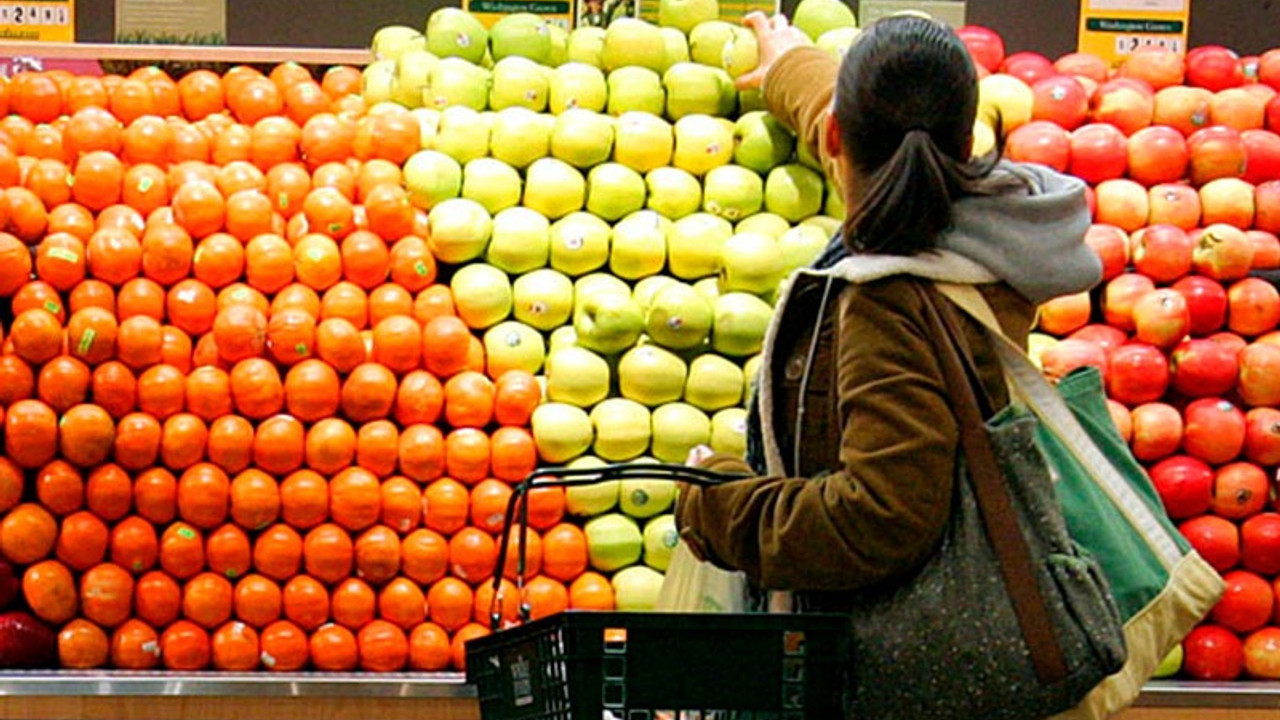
point(1253, 307)
point(1091, 200)
point(1121, 419)
point(985, 46)
point(1262, 653)
point(1029, 67)
point(1185, 485)
point(1216, 539)
point(1098, 152)
point(1260, 543)
point(1161, 318)
point(1263, 92)
point(1249, 64)
point(1086, 65)
point(1269, 68)
point(1123, 203)
point(1273, 114)
point(1223, 252)
point(1214, 68)
point(26, 642)
point(1137, 373)
point(1174, 204)
point(1157, 154)
point(1230, 341)
point(1065, 314)
point(1104, 336)
point(1262, 437)
point(1259, 378)
point(10, 584)
point(1216, 151)
point(1184, 109)
point(1266, 249)
point(1162, 252)
point(1060, 359)
point(1158, 67)
point(1262, 155)
point(1212, 652)
point(1213, 430)
point(1127, 103)
point(1157, 431)
point(1266, 203)
point(1119, 296)
point(1238, 108)
point(1040, 141)
point(1200, 367)
point(1240, 490)
point(1206, 301)
point(1227, 201)
point(1112, 247)
point(1246, 605)
point(1061, 100)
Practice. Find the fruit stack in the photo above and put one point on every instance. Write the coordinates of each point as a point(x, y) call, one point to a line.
point(1183, 163)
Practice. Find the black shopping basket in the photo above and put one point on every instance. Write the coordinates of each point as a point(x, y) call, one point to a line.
point(595, 665)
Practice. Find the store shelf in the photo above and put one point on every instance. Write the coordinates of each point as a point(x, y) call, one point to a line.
point(185, 53)
point(258, 684)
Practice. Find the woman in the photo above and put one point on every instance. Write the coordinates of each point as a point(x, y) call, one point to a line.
point(852, 438)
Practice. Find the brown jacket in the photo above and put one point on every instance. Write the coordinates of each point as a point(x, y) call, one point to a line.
point(872, 490)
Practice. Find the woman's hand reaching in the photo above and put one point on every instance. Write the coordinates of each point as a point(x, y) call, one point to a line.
point(776, 36)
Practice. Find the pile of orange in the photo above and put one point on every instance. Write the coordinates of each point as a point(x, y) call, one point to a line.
point(243, 426)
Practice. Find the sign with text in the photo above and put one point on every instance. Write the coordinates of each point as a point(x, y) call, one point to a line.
point(39, 20)
point(1111, 29)
point(556, 12)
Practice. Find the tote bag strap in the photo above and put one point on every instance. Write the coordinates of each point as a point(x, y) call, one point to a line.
point(992, 495)
point(1043, 399)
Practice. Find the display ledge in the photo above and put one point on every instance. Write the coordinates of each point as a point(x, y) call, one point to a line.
point(185, 53)
point(229, 684)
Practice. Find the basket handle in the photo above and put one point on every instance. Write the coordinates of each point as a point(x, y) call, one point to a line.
point(566, 477)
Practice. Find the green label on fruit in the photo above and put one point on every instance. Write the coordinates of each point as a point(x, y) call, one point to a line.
point(145, 184)
point(65, 254)
point(52, 307)
point(302, 349)
point(283, 201)
point(186, 533)
point(420, 268)
point(86, 341)
point(335, 227)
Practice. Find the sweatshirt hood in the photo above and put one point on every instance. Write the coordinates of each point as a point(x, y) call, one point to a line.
point(1031, 235)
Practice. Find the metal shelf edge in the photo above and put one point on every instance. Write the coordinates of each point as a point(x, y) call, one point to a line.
point(303, 685)
point(1234, 695)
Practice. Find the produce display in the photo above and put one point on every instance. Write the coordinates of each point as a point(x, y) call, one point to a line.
point(281, 345)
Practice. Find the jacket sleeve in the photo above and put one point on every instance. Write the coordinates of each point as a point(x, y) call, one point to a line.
point(798, 91)
point(882, 512)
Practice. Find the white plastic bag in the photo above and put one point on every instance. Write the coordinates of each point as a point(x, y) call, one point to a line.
point(692, 585)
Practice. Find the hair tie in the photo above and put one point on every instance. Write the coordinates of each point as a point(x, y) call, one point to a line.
point(914, 128)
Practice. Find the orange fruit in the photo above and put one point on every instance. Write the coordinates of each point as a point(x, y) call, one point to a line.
point(135, 646)
point(231, 443)
point(240, 332)
point(366, 261)
point(445, 340)
point(424, 556)
point(255, 499)
point(591, 591)
point(325, 138)
point(28, 533)
point(269, 262)
point(115, 389)
point(377, 444)
point(203, 495)
point(284, 647)
point(468, 400)
point(507, 607)
point(155, 495)
point(230, 144)
point(130, 99)
point(146, 187)
point(317, 261)
point(106, 594)
point(334, 648)
point(564, 551)
point(17, 382)
point(207, 600)
point(402, 602)
point(228, 552)
point(36, 294)
point(429, 649)
point(82, 645)
point(48, 179)
point(353, 603)
point(389, 136)
point(513, 453)
point(445, 506)
point(328, 553)
point(140, 342)
point(11, 484)
point(347, 301)
point(63, 383)
point(467, 454)
point(167, 253)
point(329, 211)
point(218, 260)
point(98, 179)
point(473, 554)
point(257, 600)
point(256, 388)
point(249, 213)
point(185, 645)
point(148, 139)
point(254, 100)
point(92, 128)
point(82, 541)
point(458, 645)
point(489, 500)
point(355, 498)
point(312, 390)
point(277, 552)
point(287, 185)
point(279, 445)
point(368, 392)
point(134, 544)
point(37, 335)
point(330, 445)
point(50, 591)
point(546, 507)
point(391, 215)
point(377, 554)
point(304, 100)
point(91, 335)
point(181, 551)
point(401, 504)
point(339, 344)
point(397, 342)
point(235, 647)
point(291, 335)
point(450, 602)
point(304, 499)
point(15, 264)
point(199, 208)
point(274, 140)
point(516, 393)
point(545, 596)
point(68, 217)
point(157, 598)
point(161, 391)
point(191, 306)
point(121, 218)
point(59, 260)
point(383, 647)
point(413, 266)
point(422, 452)
point(183, 441)
point(92, 293)
point(306, 602)
point(389, 299)
point(208, 392)
point(28, 218)
point(296, 296)
point(30, 433)
point(201, 94)
point(339, 176)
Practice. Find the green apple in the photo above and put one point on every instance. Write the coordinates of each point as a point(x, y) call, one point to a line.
point(636, 588)
point(561, 431)
point(732, 192)
point(454, 32)
point(520, 240)
point(677, 46)
point(391, 41)
point(519, 136)
point(801, 245)
point(517, 81)
point(674, 193)
point(651, 375)
point(614, 191)
point(562, 337)
point(462, 134)
point(750, 372)
point(492, 183)
point(577, 376)
point(707, 40)
point(697, 89)
point(577, 85)
point(482, 295)
point(703, 142)
point(834, 206)
point(729, 431)
point(646, 498)
point(763, 223)
point(660, 538)
point(607, 322)
point(828, 224)
point(460, 230)
point(512, 345)
point(815, 17)
point(599, 283)
point(793, 191)
point(694, 245)
point(593, 499)
point(631, 41)
point(1171, 664)
point(805, 156)
point(431, 177)
point(614, 541)
point(559, 54)
point(642, 141)
point(713, 383)
point(455, 81)
point(378, 82)
point(582, 138)
point(646, 289)
point(1004, 98)
point(761, 142)
point(543, 299)
point(751, 263)
point(635, 88)
point(554, 188)
point(639, 245)
point(428, 126)
point(679, 317)
point(709, 288)
point(741, 54)
point(520, 34)
point(413, 76)
point(741, 320)
point(622, 429)
point(677, 428)
point(586, 45)
point(838, 40)
point(685, 14)
point(579, 243)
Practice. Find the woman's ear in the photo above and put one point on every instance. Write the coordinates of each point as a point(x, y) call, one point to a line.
point(831, 129)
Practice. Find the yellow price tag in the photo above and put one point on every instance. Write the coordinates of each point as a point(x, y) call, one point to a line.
point(1112, 29)
point(38, 20)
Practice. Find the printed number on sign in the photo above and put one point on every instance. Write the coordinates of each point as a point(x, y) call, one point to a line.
point(1126, 44)
point(15, 14)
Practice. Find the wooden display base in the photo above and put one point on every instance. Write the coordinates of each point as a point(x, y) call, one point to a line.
point(185, 53)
